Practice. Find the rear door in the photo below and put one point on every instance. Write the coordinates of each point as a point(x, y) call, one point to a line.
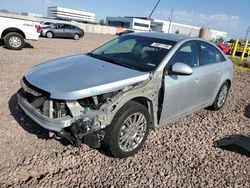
point(70, 30)
point(211, 71)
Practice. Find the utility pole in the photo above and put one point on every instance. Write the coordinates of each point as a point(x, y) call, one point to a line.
point(248, 29)
point(154, 8)
point(43, 6)
point(170, 20)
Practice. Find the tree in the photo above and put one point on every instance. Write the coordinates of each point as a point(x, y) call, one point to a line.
point(102, 22)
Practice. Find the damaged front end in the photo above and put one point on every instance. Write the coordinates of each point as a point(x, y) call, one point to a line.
point(75, 120)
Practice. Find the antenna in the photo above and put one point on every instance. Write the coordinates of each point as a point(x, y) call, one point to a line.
point(43, 7)
point(154, 8)
point(170, 19)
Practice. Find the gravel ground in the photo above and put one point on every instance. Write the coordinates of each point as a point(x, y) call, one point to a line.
point(180, 155)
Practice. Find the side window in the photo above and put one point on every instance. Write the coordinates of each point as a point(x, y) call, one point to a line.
point(61, 26)
point(187, 53)
point(70, 27)
point(209, 54)
point(67, 26)
point(219, 57)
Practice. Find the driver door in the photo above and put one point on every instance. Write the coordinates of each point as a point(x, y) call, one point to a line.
point(180, 91)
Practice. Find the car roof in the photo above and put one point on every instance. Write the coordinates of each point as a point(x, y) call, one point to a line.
point(165, 36)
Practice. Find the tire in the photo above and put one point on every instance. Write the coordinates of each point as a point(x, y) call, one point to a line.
point(14, 41)
point(118, 136)
point(220, 97)
point(76, 37)
point(49, 35)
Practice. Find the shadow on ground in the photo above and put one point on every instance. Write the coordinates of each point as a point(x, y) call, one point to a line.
point(27, 45)
point(247, 111)
point(33, 128)
point(27, 124)
point(1, 42)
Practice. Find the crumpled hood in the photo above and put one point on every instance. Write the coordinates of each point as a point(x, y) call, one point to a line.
point(81, 76)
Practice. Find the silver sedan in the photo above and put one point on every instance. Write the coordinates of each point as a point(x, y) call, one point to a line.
point(62, 31)
point(113, 95)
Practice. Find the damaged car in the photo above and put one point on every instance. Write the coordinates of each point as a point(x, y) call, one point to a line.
point(113, 95)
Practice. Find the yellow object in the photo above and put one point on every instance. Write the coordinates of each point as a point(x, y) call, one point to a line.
point(244, 50)
point(235, 47)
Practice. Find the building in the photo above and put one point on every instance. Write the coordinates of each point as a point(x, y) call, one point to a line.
point(184, 29)
point(129, 23)
point(31, 14)
point(215, 35)
point(70, 14)
point(149, 24)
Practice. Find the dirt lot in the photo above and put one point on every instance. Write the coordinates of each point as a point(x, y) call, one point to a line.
point(180, 155)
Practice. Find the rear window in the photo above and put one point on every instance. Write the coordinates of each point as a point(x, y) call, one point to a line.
point(209, 54)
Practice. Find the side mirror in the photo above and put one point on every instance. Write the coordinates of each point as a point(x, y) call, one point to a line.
point(181, 69)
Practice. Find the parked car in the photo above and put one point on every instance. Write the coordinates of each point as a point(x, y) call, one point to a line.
point(125, 32)
point(63, 31)
point(113, 95)
point(226, 49)
point(14, 32)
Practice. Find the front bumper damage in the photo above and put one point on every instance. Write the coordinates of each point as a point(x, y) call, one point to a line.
point(51, 124)
point(82, 119)
point(74, 129)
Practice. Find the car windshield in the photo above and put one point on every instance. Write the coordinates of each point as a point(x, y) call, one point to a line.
point(135, 52)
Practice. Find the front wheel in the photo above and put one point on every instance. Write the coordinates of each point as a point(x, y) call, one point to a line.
point(49, 35)
point(14, 41)
point(76, 37)
point(128, 130)
point(221, 97)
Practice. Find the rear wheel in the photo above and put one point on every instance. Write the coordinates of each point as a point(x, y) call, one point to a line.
point(128, 130)
point(14, 41)
point(49, 35)
point(221, 97)
point(76, 36)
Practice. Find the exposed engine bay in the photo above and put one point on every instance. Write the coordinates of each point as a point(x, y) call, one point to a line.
point(54, 108)
point(86, 118)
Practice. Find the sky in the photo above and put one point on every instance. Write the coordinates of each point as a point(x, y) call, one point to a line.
point(230, 16)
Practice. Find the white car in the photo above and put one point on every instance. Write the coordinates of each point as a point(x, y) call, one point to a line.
point(14, 31)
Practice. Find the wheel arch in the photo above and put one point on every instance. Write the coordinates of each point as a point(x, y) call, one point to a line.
point(229, 82)
point(147, 103)
point(12, 29)
point(49, 31)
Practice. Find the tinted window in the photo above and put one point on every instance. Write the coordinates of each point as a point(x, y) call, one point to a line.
point(67, 26)
point(187, 53)
point(70, 27)
point(209, 54)
point(141, 53)
point(47, 23)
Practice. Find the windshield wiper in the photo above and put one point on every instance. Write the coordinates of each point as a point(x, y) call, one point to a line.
point(108, 59)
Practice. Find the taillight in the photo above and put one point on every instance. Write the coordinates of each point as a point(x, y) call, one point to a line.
point(38, 28)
